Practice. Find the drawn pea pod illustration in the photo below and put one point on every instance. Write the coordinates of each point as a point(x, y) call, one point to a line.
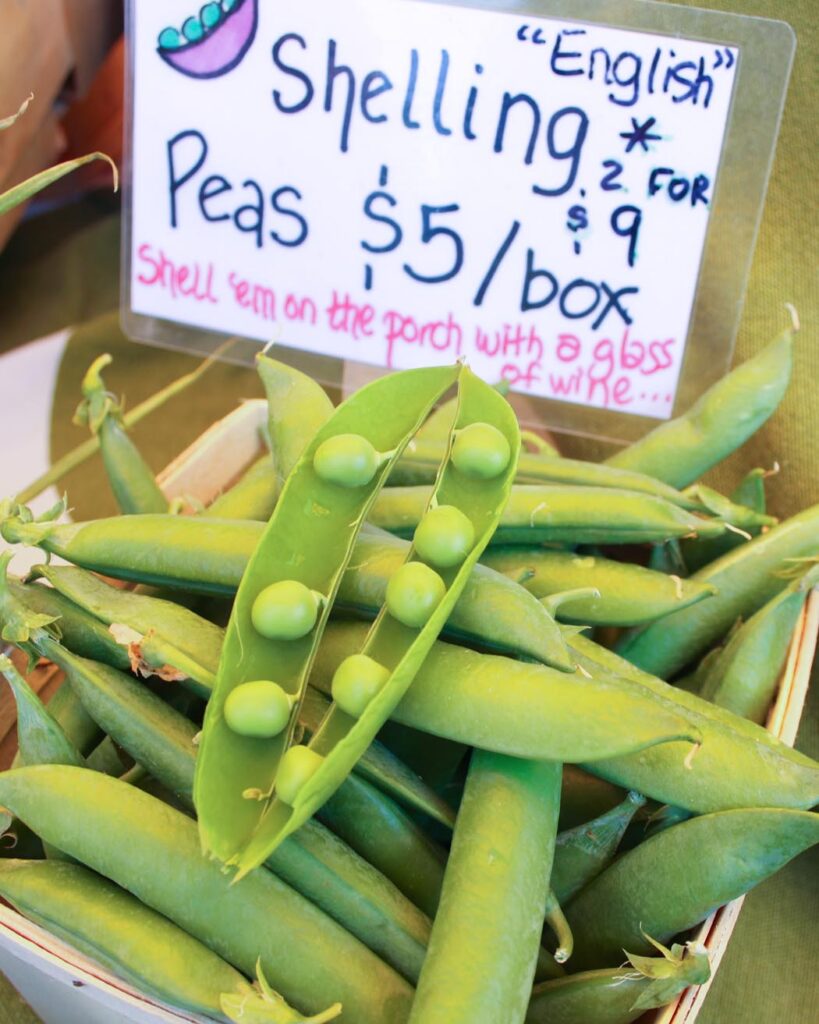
point(212, 43)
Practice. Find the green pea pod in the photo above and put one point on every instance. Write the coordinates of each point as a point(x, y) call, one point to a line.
point(583, 852)
point(674, 880)
point(751, 494)
point(668, 558)
point(313, 862)
point(679, 451)
point(518, 708)
point(745, 579)
point(560, 514)
point(67, 710)
point(251, 497)
point(112, 927)
point(188, 552)
point(419, 463)
point(309, 540)
point(297, 408)
point(125, 834)
point(372, 825)
point(105, 758)
point(132, 480)
point(40, 739)
point(495, 887)
point(622, 994)
point(183, 639)
point(628, 595)
point(398, 647)
point(743, 677)
point(154, 734)
point(738, 765)
point(209, 556)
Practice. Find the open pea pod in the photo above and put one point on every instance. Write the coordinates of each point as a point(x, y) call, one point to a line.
point(286, 594)
point(471, 492)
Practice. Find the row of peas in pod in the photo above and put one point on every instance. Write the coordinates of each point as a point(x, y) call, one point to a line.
point(414, 687)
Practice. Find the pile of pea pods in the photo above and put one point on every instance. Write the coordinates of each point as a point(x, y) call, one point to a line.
point(397, 729)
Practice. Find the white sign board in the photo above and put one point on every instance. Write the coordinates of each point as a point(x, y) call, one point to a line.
point(405, 183)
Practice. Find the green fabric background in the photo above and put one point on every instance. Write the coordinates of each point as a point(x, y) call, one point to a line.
point(62, 269)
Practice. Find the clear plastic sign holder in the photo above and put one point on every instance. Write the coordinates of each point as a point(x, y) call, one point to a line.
point(565, 193)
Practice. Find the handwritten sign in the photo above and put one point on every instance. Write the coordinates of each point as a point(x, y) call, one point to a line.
point(405, 183)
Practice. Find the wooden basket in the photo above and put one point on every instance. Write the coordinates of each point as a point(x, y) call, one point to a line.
point(67, 988)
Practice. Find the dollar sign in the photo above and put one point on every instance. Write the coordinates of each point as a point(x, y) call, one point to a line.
point(578, 218)
point(379, 196)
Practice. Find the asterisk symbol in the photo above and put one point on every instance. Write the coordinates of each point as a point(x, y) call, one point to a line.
point(640, 134)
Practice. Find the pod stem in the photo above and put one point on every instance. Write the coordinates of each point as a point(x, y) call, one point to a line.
point(556, 920)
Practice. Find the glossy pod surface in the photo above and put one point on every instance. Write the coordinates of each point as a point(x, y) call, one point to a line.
point(124, 834)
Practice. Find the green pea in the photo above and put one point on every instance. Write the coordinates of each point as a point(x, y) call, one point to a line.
point(480, 450)
point(297, 765)
point(285, 610)
point(170, 39)
point(228, 5)
point(356, 681)
point(413, 594)
point(444, 537)
point(260, 708)
point(348, 460)
point(192, 30)
point(210, 15)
